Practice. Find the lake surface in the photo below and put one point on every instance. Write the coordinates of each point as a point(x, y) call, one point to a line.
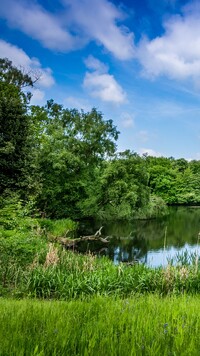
point(143, 240)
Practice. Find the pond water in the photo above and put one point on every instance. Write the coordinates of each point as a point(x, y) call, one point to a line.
point(144, 240)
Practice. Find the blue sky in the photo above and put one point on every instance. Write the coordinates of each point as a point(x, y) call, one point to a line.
point(136, 61)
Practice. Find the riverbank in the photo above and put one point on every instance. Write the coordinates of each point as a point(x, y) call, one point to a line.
point(142, 325)
point(58, 302)
point(65, 275)
point(33, 263)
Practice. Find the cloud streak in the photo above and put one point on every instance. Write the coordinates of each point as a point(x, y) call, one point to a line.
point(79, 23)
point(98, 21)
point(36, 22)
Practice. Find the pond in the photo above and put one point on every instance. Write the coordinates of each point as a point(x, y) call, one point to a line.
point(144, 240)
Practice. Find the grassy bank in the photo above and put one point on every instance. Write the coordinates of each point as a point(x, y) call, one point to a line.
point(34, 264)
point(63, 275)
point(73, 304)
point(144, 325)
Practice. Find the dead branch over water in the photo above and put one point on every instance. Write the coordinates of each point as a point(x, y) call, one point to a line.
point(73, 243)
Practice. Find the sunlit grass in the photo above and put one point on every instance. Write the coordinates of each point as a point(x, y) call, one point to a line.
point(143, 325)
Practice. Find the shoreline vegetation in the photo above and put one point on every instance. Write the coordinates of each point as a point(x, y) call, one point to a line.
point(33, 263)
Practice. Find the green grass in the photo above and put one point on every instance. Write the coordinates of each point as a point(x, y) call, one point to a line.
point(64, 275)
point(143, 325)
point(58, 228)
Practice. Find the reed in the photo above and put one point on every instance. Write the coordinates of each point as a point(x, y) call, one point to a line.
point(197, 254)
point(64, 275)
point(164, 248)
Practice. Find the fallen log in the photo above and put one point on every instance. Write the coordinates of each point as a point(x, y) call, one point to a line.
point(73, 243)
point(93, 237)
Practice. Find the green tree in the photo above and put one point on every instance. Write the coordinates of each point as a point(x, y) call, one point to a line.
point(124, 187)
point(162, 178)
point(14, 126)
point(71, 147)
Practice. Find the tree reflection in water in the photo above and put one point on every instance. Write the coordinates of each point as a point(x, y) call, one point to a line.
point(143, 240)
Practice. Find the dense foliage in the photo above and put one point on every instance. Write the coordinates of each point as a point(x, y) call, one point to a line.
point(64, 161)
point(71, 147)
point(14, 127)
point(177, 181)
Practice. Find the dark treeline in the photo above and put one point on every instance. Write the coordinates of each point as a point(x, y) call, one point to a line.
point(65, 161)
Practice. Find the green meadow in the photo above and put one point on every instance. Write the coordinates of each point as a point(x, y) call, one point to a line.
point(142, 325)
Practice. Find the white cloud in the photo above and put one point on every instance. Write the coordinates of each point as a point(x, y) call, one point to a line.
point(94, 64)
point(79, 23)
point(46, 80)
point(104, 87)
point(127, 120)
point(36, 22)
point(78, 103)
point(27, 64)
point(101, 84)
point(98, 21)
point(175, 54)
point(149, 152)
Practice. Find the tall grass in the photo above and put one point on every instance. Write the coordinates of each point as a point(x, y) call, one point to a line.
point(24, 245)
point(31, 266)
point(64, 275)
point(143, 325)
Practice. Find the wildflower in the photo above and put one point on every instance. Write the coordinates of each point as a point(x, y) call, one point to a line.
point(165, 328)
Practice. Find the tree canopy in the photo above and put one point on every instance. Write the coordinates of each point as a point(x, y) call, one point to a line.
point(66, 161)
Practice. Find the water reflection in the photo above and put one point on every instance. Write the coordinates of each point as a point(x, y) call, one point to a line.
point(144, 240)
